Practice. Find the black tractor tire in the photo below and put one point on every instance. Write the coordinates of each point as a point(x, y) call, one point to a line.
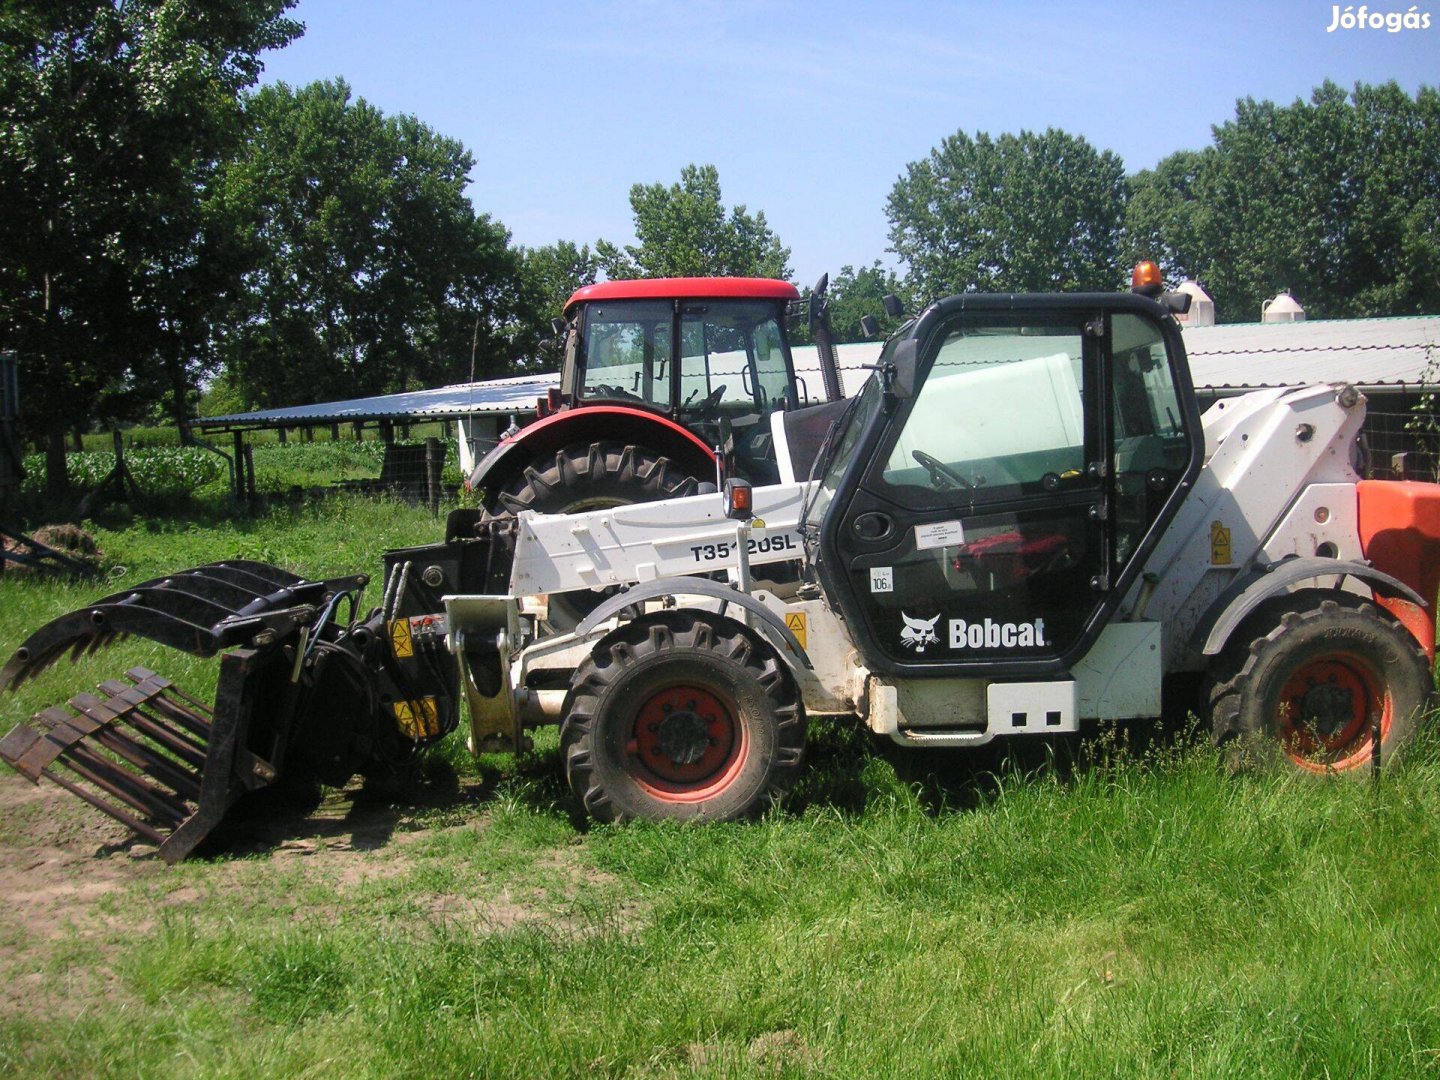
point(593, 477)
point(1305, 685)
point(682, 716)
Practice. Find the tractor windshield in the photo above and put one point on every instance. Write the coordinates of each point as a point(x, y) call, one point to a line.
point(628, 351)
point(732, 357)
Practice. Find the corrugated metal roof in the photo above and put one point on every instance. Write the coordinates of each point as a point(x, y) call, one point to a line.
point(498, 396)
point(442, 403)
point(1239, 356)
point(1366, 352)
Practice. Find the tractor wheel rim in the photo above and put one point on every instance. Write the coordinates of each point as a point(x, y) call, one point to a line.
point(1327, 712)
point(686, 743)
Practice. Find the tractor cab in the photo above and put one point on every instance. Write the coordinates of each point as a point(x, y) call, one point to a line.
point(709, 354)
point(997, 486)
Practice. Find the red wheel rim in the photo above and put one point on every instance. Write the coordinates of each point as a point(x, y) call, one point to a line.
point(1327, 712)
point(686, 743)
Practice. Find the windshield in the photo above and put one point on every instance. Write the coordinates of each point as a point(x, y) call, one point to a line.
point(627, 351)
point(732, 356)
point(840, 448)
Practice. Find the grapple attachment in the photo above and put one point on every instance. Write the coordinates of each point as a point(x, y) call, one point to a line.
point(144, 752)
point(300, 693)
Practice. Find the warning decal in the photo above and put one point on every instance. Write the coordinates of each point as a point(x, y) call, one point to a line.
point(401, 644)
point(418, 719)
point(1220, 554)
point(795, 623)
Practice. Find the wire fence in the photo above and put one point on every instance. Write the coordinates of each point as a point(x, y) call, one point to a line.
point(1402, 445)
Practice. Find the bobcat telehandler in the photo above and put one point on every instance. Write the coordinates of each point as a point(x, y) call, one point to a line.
point(1021, 525)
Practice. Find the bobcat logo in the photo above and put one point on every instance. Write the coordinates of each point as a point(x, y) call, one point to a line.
point(919, 632)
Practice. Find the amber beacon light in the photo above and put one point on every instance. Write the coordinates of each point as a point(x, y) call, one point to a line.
point(1145, 279)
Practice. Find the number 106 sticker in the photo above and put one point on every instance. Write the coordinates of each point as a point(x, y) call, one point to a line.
point(882, 579)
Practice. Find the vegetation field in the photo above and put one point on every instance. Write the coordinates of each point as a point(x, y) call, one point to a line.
point(1112, 907)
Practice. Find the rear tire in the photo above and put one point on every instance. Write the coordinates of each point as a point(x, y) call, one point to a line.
point(683, 717)
point(1307, 691)
point(594, 477)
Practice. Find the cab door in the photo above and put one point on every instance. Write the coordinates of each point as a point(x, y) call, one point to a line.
point(1028, 454)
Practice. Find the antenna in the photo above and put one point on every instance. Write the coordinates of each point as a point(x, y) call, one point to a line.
point(467, 425)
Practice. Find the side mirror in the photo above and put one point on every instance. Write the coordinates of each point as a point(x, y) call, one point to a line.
point(1177, 303)
point(869, 325)
point(893, 307)
point(557, 327)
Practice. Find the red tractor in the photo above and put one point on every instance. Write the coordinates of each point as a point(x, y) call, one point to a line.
point(667, 383)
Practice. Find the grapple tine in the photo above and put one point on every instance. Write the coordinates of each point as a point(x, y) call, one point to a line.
point(156, 759)
point(201, 611)
point(149, 755)
point(166, 764)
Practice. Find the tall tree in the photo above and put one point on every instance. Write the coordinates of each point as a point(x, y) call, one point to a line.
point(555, 271)
point(685, 231)
point(1336, 198)
point(114, 113)
point(370, 270)
point(1023, 212)
point(857, 293)
point(1160, 213)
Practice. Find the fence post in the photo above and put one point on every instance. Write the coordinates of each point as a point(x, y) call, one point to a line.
point(434, 464)
point(283, 436)
point(250, 471)
point(239, 472)
point(334, 432)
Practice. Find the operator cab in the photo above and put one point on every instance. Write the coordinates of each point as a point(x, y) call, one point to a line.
point(732, 367)
point(997, 485)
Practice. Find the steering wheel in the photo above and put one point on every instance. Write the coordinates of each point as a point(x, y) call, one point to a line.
point(710, 403)
point(942, 476)
point(606, 390)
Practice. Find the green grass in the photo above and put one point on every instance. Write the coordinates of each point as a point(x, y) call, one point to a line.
point(1103, 911)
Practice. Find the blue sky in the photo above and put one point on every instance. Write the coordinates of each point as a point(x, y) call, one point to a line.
point(811, 112)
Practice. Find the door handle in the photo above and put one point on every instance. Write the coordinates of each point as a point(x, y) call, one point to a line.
point(873, 526)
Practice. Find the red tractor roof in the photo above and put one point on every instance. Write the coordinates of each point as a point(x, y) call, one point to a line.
point(699, 288)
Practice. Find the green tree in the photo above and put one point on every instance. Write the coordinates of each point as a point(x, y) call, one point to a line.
point(555, 271)
point(369, 269)
point(857, 293)
point(1336, 199)
point(1022, 212)
point(114, 113)
point(1160, 214)
point(685, 231)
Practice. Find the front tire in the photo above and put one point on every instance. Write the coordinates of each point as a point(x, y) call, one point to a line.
point(681, 716)
point(1309, 690)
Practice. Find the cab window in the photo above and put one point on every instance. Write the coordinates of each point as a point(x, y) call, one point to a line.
point(628, 352)
point(1002, 409)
